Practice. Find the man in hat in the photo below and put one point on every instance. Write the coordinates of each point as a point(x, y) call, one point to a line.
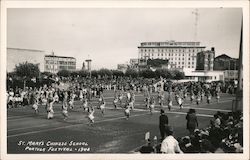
point(170, 145)
point(163, 123)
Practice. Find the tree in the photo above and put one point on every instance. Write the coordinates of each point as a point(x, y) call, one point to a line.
point(47, 74)
point(27, 70)
point(117, 73)
point(148, 73)
point(63, 73)
point(74, 73)
point(104, 72)
point(165, 73)
point(94, 73)
point(83, 73)
point(131, 72)
point(178, 75)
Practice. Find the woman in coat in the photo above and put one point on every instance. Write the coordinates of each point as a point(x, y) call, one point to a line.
point(192, 122)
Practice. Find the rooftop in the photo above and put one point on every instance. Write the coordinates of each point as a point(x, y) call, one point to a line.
point(59, 56)
point(223, 56)
point(170, 44)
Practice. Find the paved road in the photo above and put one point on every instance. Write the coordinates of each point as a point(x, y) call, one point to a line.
point(111, 133)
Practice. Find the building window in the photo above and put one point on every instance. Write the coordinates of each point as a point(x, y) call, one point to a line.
point(182, 62)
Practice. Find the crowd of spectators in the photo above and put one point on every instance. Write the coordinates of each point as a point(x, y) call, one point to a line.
point(224, 135)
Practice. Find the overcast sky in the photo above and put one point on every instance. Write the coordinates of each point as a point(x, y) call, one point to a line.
point(111, 36)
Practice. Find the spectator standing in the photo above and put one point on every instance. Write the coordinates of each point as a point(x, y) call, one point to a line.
point(163, 123)
point(192, 122)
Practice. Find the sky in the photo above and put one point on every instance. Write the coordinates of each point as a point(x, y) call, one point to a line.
point(110, 36)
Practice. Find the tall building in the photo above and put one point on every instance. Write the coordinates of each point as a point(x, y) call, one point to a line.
point(179, 54)
point(20, 55)
point(205, 60)
point(224, 62)
point(54, 63)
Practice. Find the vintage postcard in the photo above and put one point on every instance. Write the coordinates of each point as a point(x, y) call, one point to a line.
point(124, 80)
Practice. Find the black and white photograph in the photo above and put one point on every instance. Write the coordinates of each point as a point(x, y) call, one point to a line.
point(132, 80)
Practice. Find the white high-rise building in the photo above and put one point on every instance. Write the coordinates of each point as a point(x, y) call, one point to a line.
point(180, 54)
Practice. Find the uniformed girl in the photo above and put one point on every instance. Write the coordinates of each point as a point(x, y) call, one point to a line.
point(115, 102)
point(56, 97)
point(198, 98)
point(147, 102)
point(71, 101)
point(192, 96)
point(152, 105)
point(160, 98)
point(35, 103)
point(65, 111)
point(120, 96)
point(50, 111)
point(179, 100)
point(208, 97)
point(127, 112)
point(132, 101)
point(102, 104)
point(91, 115)
point(85, 104)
